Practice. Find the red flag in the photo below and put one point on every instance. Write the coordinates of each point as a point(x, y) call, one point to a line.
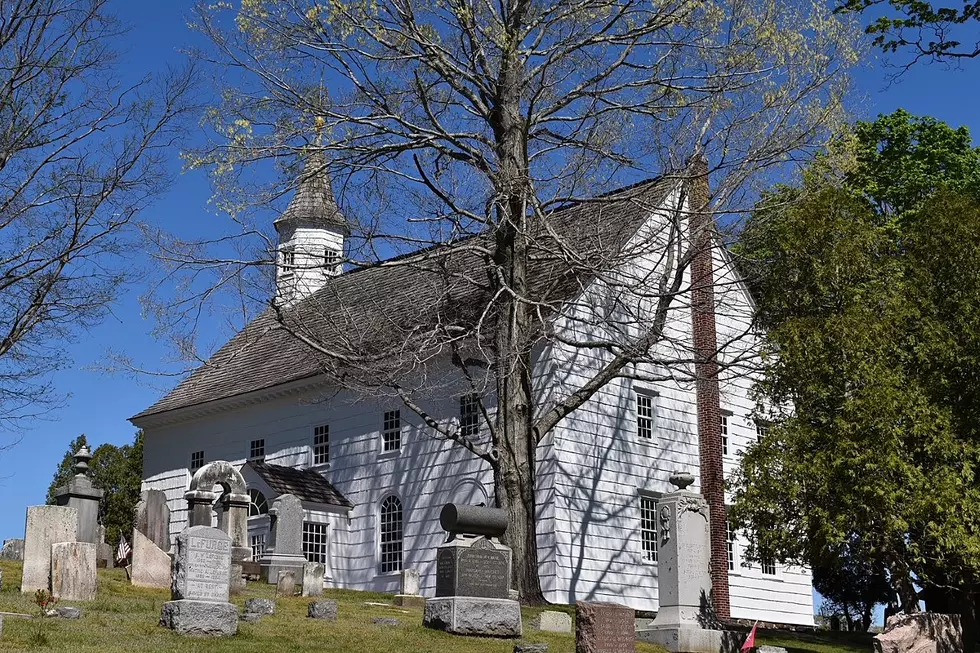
point(750, 640)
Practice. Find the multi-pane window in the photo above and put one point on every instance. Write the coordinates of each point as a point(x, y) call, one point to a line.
point(761, 430)
point(723, 419)
point(768, 567)
point(646, 415)
point(391, 535)
point(469, 415)
point(256, 449)
point(331, 260)
point(197, 460)
point(648, 527)
point(321, 444)
point(257, 504)
point(730, 545)
point(288, 260)
point(315, 542)
point(391, 432)
point(257, 542)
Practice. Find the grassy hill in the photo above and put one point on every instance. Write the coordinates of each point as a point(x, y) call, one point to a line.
point(124, 619)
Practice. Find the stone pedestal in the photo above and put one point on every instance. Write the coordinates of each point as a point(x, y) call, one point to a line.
point(73, 571)
point(466, 615)
point(473, 566)
point(206, 618)
point(46, 525)
point(200, 585)
point(685, 620)
point(81, 494)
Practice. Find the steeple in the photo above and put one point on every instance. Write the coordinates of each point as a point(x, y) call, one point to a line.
point(311, 234)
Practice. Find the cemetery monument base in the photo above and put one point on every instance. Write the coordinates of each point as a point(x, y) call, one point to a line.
point(471, 615)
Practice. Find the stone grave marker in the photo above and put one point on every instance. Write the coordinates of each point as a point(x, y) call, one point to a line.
point(325, 609)
point(153, 518)
point(313, 573)
point(80, 493)
point(74, 569)
point(46, 525)
point(201, 582)
point(13, 549)
point(604, 628)
point(410, 590)
point(151, 565)
point(285, 551)
point(922, 631)
point(553, 621)
point(473, 576)
point(286, 586)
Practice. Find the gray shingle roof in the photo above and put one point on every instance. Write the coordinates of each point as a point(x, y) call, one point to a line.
point(400, 301)
point(305, 484)
point(313, 202)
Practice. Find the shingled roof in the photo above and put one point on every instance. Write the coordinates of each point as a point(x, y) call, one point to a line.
point(305, 484)
point(396, 301)
point(314, 203)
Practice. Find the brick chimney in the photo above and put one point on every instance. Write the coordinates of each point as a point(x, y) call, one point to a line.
point(701, 227)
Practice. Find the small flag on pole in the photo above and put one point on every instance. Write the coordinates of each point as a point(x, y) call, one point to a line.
point(122, 553)
point(750, 640)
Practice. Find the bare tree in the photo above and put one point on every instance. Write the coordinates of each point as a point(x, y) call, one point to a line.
point(80, 155)
point(488, 139)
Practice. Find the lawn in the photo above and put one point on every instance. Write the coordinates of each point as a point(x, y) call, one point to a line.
point(124, 619)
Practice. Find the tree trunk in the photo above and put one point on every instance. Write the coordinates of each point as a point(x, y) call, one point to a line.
point(866, 616)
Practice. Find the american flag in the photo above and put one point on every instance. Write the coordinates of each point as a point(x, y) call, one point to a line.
point(122, 553)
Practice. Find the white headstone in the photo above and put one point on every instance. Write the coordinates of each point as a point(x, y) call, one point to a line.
point(151, 564)
point(411, 581)
point(313, 579)
point(45, 526)
point(74, 570)
point(202, 565)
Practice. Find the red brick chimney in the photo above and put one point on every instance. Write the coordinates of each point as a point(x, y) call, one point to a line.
point(701, 227)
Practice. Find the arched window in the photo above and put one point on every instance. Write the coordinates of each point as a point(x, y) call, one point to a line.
point(391, 535)
point(257, 505)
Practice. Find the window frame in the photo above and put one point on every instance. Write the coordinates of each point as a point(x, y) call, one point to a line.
point(646, 422)
point(287, 260)
point(257, 542)
point(308, 543)
point(331, 260)
point(731, 547)
point(469, 415)
point(384, 567)
point(325, 444)
point(655, 497)
point(725, 433)
point(252, 448)
point(192, 467)
point(391, 428)
point(769, 564)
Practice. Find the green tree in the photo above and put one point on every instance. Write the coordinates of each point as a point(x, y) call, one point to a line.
point(867, 276)
point(119, 472)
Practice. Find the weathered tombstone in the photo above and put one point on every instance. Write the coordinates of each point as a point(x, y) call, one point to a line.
point(473, 576)
point(46, 525)
point(153, 518)
point(325, 610)
point(552, 621)
point(313, 579)
point(81, 494)
point(411, 586)
point(531, 648)
point(104, 554)
point(286, 585)
point(922, 631)
point(68, 612)
point(285, 550)
point(13, 549)
point(74, 569)
point(683, 553)
point(604, 628)
point(234, 514)
point(201, 583)
point(260, 606)
point(151, 565)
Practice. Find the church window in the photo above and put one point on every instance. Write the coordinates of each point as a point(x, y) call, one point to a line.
point(197, 460)
point(331, 260)
point(315, 542)
point(256, 449)
point(391, 535)
point(730, 545)
point(288, 260)
point(257, 504)
point(646, 414)
point(648, 527)
point(391, 433)
point(723, 427)
point(469, 415)
point(761, 430)
point(321, 444)
point(257, 543)
point(768, 567)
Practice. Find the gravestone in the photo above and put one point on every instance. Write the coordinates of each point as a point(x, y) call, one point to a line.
point(473, 576)
point(200, 586)
point(313, 579)
point(81, 494)
point(153, 518)
point(922, 631)
point(46, 525)
point(151, 565)
point(553, 621)
point(285, 545)
point(286, 585)
point(234, 510)
point(604, 628)
point(74, 569)
point(411, 586)
point(683, 563)
point(104, 553)
point(325, 610)
point(13, 549)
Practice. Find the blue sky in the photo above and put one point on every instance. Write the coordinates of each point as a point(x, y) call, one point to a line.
point(99, 404)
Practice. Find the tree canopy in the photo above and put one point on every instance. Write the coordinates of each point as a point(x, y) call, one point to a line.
point(867, 276)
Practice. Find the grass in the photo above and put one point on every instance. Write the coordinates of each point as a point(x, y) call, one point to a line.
point(124, 619)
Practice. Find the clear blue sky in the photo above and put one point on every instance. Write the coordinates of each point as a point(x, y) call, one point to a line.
point(100, 404)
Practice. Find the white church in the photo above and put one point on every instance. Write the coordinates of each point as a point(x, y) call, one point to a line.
point(373, 476)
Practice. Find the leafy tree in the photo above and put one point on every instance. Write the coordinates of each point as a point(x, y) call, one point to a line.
point(118, 471)
point(867, 276)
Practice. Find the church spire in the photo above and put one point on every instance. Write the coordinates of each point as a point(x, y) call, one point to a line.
point(311, 234)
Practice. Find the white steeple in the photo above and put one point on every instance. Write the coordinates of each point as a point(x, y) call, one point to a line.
point(311, 235)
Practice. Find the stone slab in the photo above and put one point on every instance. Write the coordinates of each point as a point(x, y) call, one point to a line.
point(13, 549)
point(69, 612)
point(552, 621)
point(770, 649)
point(271, 564)
point(313, 579)
point(409, 600)
point(202, 565)
point(153, 518)
point(260, 606)
point(530, 648)
point(45, 526)
point(286, 586)
point(386, 621)
point(691, 640)
point(474, 616)
point(201, 618)
point(604, 628)
point(325, 610)
point(480, 569)
point(74, 569)
point(151, 565)
point(411, 582)
point(919, 633)
point(286, 515)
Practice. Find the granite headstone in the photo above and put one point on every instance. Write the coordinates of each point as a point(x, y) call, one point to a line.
point(604, 628)
point(74, 569)
point(46, 525)
point(313, 579)
point(200, 585)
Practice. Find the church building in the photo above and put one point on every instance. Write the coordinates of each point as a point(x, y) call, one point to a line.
point(373, 476)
